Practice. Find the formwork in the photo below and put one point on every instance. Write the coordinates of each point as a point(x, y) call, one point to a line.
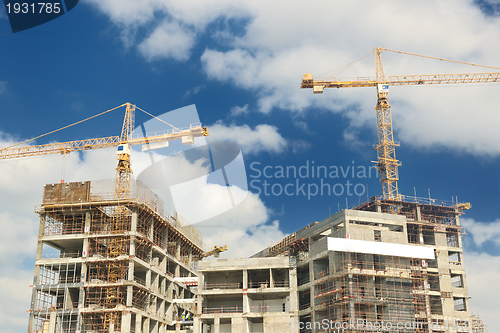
point(108, 265)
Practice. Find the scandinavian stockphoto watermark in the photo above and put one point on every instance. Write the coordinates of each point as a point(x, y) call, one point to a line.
point(351, 324)
point(310, 180)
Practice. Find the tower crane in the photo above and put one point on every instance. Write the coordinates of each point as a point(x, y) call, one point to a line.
point(387, 164)
point(123, 142)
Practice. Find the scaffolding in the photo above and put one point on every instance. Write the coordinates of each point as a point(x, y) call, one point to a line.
point(369, 290)
point(114, 257)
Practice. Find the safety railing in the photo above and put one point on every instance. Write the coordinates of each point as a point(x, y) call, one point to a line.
point(266, 308)
point(224, 309)
point(211, 286)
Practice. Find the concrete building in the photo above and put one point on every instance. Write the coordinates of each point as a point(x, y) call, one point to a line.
point(107, 265)
point(246, 295)
point(390, 266)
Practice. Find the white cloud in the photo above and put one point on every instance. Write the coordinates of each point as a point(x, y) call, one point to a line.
point(300, 146)
point(127, 12)
point(77, 106)
point(194, 90)
point(3, 87)
point(483, 274)
point(16, 295)
point(174, 36)
point(482, 232)
point(262, 138)
point(483, 270)
point(275, 47)
point(244, 229)
point(168, 40)
point(239, 110)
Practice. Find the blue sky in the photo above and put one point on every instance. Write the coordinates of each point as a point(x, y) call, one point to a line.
point(241, 65)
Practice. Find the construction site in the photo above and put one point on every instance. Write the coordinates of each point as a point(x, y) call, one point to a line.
point(111, 259)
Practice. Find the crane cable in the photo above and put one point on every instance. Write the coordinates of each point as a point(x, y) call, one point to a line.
point(149, 114)
point(78, 122)
point(343, 68)
point(422, 56)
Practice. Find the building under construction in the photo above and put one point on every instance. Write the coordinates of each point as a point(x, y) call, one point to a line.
point(384, 266)
point(109, 265)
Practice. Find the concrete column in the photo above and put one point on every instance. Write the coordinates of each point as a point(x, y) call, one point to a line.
point(85, 255)
point(130, 294)
point(41, 233)
point(352, 312)
point(178, 251)
point(271, 279)
point(246, 302)
point(459, 236)
point(52, 321)
point(216, 324)
point(245, 279)
point(247, 326)
point(126, 321)
point(145, 327)
point(151, 230)
point(111, 327)
point(419, 215)
point(133, 221)
point(196, 325)
point(39, 251)
point(148, 279)
point(165, 243)
point(88, 220)
point(311, 280)
point(177, 272)
point(292, 277)
point(138, 323)
point(190, 259)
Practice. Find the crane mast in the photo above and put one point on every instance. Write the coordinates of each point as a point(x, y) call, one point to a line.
point(120, 213)
point(123, 170)
point(387, 164)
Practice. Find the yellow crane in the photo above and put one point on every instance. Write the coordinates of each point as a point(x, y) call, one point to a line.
point(387, 164)
point(123, 142)
point(215, 251)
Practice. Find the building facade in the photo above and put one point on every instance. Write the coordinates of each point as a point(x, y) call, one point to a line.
point(385, 266)
point(246, 295)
